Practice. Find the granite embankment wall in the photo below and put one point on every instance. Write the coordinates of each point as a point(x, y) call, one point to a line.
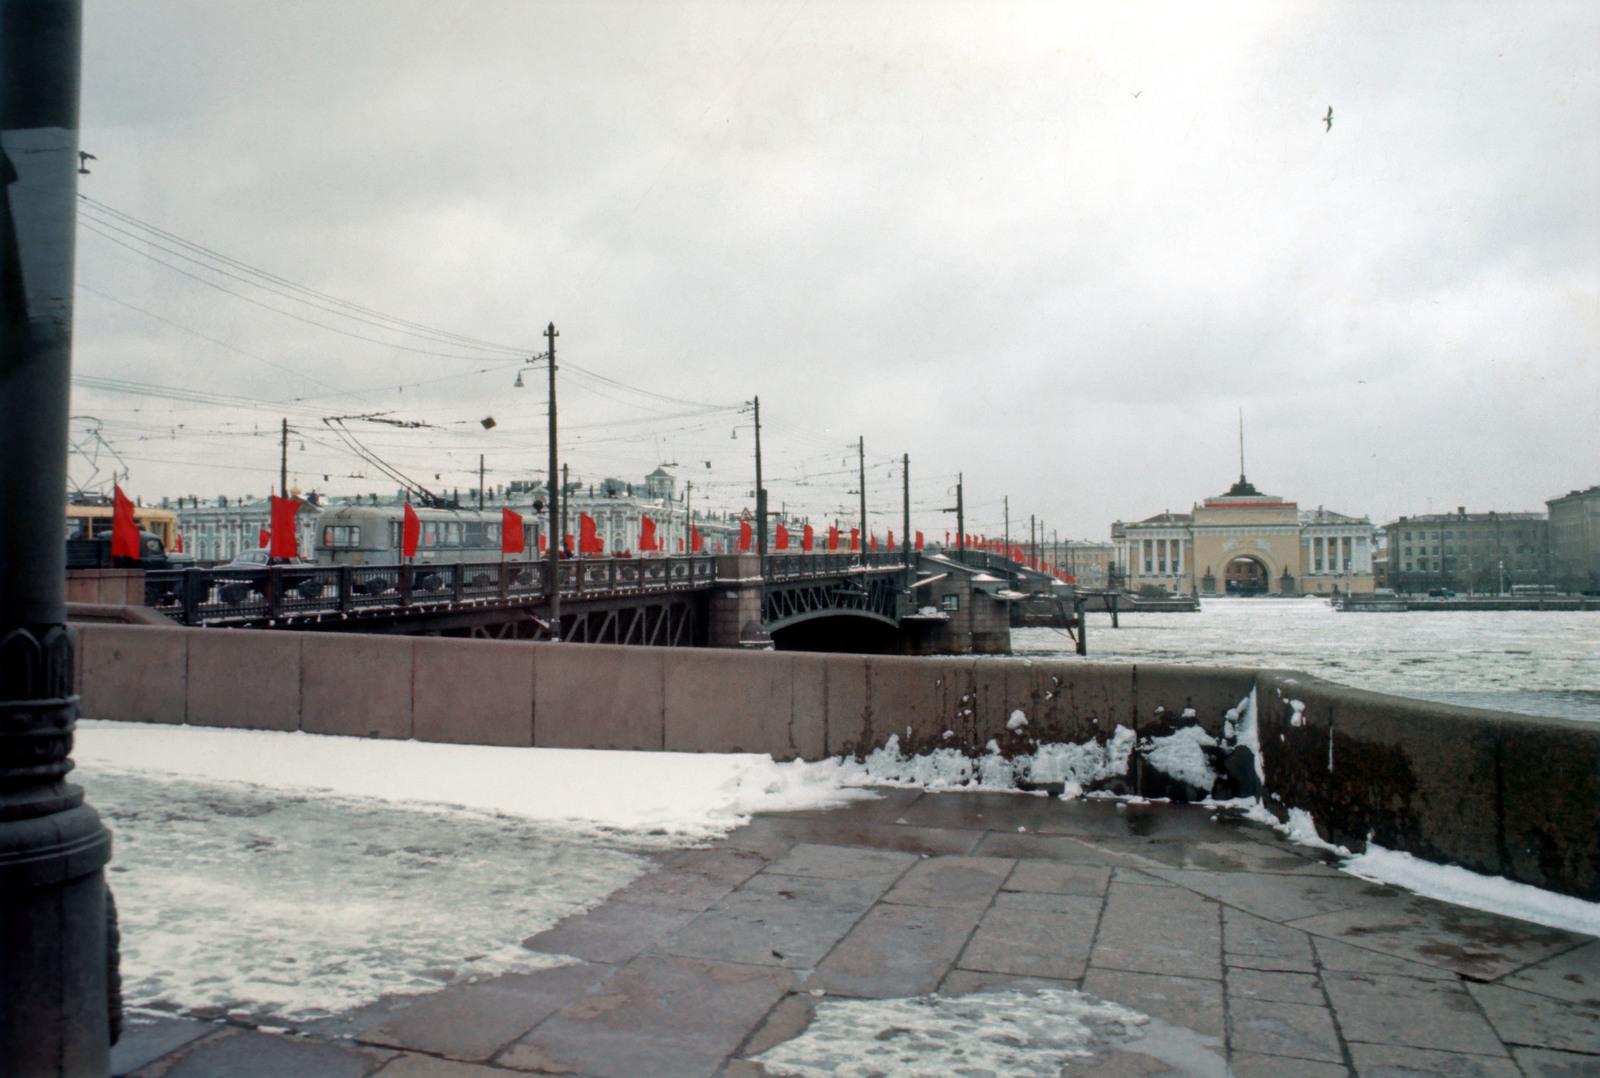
point(1497, 793)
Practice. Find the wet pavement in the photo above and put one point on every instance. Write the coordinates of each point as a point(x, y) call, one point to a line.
point(977, 934)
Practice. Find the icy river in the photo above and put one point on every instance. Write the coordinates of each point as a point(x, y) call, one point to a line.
point(1536, 662)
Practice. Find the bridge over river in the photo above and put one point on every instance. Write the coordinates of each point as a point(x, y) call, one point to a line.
point(877, 601)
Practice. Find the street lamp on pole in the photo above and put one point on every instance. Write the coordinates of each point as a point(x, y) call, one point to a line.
point(553, 487)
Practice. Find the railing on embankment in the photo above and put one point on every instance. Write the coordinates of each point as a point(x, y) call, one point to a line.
point(1501, 794)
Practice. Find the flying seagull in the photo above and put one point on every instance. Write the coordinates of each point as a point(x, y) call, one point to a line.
point(1328, 119)
point(1140, 92)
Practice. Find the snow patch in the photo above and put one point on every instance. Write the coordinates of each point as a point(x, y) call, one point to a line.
point(1017, 720)
point(1462, 887)
point(1007, 1032)
point(1181, 755)
point(694, 795)
point(1299, 716)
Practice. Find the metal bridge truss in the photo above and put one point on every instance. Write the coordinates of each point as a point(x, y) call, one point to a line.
point(672, 621)
point(874, 595)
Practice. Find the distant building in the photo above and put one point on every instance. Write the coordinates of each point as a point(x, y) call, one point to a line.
point(1575, 540)
point(1245, 542)
point(220, 529)
point(1462, 551)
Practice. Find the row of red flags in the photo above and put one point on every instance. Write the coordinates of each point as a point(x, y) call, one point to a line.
point(281, 543)
point(279, 539)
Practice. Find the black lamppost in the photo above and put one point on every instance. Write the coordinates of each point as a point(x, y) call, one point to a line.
point(55, 1010)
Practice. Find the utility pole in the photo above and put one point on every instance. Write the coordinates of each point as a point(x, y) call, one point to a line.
point(558, 502)
point(961, 519)
point(56, 1015)
point(1007, 503)
point(861, 458)
point(905, 505)
point(761, 493)
point(480, 482)
point(688, 516)
point(1033, 551)
point(283, 461)
point(565, 524)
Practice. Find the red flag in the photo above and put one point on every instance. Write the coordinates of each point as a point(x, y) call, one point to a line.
point(589, 541)
point(781, 540)
point(919, 540)
point(744, 535)
point(890, 544)
point(511, 537)
point(647, 534)
point(544, 544)
point(694, 539)
point(410, 532)
point(833, 537)
point(808, 539)
point(177, 542)
point(263, 538)
point(873, 540)
point(680, 544)
point(124, 532)
point(855, 538)
point(283, 537)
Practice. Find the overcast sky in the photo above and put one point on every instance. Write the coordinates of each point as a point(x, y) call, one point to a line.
point(1057, 247)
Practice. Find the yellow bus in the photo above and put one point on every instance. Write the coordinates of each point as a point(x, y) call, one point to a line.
point(89, 520)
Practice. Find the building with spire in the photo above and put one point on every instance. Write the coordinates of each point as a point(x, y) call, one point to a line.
point(1245, 542)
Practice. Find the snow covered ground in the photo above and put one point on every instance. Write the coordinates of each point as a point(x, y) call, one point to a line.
point(300, 875)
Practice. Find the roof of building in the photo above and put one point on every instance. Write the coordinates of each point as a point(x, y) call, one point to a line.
point(1320, 515)
point(1465, 518)
point(659, 473)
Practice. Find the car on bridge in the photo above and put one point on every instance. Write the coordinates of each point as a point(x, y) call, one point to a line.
point(247, 573)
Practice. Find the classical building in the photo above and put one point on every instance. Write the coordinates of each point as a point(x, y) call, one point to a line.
point(1462, 551)
point(220, 529)
point(1575, 540)
point(1245, 542)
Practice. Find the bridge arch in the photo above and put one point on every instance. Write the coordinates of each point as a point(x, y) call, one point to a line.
point(857, 631)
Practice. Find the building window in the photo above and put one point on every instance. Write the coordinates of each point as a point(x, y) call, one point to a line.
point(951, 602)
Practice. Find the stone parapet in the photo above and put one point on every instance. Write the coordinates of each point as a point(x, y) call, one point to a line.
point(1502, 794)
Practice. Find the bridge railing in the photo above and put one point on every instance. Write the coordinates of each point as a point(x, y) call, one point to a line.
point(778, 567)
point(305, 592)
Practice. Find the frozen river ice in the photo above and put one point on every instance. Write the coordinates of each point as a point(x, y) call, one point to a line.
point(1539, 662)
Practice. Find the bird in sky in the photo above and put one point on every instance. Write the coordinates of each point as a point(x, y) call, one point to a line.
point(1137, 94)
point(1328, 119)
point(83, 162)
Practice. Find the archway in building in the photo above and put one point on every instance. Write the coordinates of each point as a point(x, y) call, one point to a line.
point(1246, 576)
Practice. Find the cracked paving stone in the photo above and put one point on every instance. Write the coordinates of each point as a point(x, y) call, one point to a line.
point(1544, 1063)
point(1537, 1022)
point(952, 882)
point(1573, 976)
point(1483, 946)
point(1283, 1029)
point(1395, 1061)
point(658, 1016)
point(1255, 943)
point(1150, 930)
point(1410, 1013)
point(1190, 1002)
point(1030, 944)
point(896, 952)
point(1276, 987)
point(1059, 879)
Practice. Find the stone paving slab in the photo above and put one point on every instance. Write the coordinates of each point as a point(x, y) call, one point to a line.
point(896, 952)
point(1481, 946)
point(667, 1017)
point(1410, 1013)
point(1184, 1001)
point(1246, 957)
point(1573, 976)
point(1393, 1061)
point(1149, 930)
point(473, 1022)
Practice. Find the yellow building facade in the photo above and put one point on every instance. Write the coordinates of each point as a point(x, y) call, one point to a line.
point(1245, 542)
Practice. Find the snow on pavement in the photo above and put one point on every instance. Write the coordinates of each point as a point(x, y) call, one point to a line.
point(300, 875)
